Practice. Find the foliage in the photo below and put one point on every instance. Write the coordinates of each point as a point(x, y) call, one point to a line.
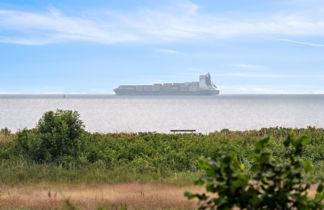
point(272, 184)
point(60, 150)
point(57, 137)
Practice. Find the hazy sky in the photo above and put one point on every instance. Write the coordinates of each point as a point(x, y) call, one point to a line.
point(92, 46)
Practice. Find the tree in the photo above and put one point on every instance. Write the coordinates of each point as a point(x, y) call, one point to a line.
point(270, 184)
point(57, 136)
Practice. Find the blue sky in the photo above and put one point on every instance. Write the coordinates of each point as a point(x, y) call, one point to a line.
point(78, 46)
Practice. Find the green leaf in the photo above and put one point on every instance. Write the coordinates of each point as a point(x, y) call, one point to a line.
point(320, 188)
point(304, 140)
point(308, 166)
point(242, 166)
point(260, 145)
point(202, 196)
point(199, 182)
point(287, 142)
point(319, 196)
point(300, 141)
point(204, 165)
point(265, 157)
point(241, 182)
point(190, 195)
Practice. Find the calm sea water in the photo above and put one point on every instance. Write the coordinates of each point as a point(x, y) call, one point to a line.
point(102, 113)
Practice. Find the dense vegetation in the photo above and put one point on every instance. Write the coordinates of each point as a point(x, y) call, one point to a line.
point(270, 183)
point(59, 149)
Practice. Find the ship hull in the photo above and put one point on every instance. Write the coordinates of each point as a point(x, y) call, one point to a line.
point(167, 93)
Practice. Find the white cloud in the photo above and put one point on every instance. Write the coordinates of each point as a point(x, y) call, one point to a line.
point(249, 66)
point(42, 28)
point(190, 7)
point(179, 22)
point(168, 51)
point(310, 44)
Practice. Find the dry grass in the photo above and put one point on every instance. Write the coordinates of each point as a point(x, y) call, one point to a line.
point(119, 196)
point(5, 138)
point(132, 196)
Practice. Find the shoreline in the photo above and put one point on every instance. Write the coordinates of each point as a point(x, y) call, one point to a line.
point(103, 96)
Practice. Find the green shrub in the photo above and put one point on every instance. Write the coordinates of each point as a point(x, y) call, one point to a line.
point(59, 143)
point(271, 184)
point(57, 137)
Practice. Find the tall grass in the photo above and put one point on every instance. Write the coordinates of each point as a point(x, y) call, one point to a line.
point(6, 136)
point(21, 172)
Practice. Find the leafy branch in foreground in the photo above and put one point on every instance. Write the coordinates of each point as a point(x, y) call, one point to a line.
point(271, 184)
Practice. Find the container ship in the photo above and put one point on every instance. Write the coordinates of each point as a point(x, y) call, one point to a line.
point(203, 87)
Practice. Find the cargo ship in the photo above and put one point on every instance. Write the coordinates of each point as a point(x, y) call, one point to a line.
point(203, 87)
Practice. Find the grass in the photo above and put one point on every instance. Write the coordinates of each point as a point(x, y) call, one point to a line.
point(104, 196)
point(6, 136)
point(119, 196)
point(21, 172)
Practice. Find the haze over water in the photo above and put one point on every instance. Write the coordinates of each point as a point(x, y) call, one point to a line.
point(161, 114)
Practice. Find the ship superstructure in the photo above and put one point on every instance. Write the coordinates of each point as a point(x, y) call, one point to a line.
point(203, 87)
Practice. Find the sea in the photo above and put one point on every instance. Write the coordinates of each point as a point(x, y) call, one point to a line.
point(205, 114)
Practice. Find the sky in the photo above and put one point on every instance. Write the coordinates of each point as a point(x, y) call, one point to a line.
point(82, 46)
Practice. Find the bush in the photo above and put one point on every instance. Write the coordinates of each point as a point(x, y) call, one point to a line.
point(270, 185)
point(57, 137)
point(135, 156)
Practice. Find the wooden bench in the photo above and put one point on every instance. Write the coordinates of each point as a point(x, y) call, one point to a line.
point(183, 131)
